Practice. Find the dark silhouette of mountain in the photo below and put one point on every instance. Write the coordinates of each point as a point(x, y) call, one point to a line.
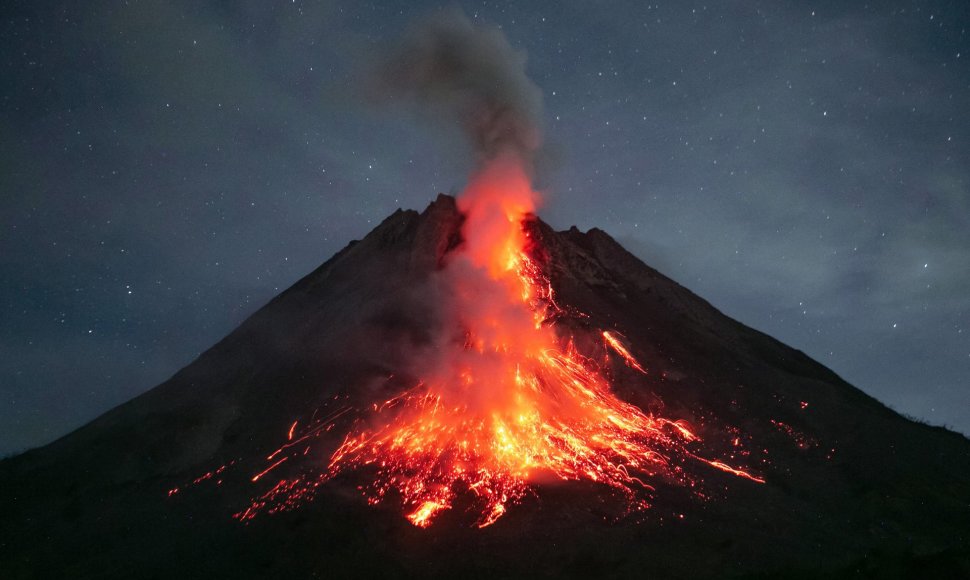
point(852, 488)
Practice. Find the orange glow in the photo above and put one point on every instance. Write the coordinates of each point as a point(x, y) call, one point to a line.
point(422, 516)
point(740, 473)
point(502, 401)
point(509, 401)
point(616, 345)
point(268, 469)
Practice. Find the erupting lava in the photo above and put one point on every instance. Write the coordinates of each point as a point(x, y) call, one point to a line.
point(506, 400)
point(500, 399)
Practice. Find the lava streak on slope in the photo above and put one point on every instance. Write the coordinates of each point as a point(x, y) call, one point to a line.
point(506, 401)
point(502, 398)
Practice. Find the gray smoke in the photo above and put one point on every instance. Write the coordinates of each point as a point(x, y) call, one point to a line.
point(473, 74)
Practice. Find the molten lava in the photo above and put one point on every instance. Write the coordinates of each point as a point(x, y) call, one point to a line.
point(509, 401)
point(503, 400)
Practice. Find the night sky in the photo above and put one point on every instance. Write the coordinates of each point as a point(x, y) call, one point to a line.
point(168, 167)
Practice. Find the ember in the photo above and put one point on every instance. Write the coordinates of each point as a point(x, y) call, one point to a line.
point(509, 401)
point(504, 398)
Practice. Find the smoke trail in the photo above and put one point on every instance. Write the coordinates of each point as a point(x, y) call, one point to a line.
point(469, 74)
point(474, 74)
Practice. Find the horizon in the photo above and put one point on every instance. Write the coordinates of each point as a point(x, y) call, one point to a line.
point(796, 166)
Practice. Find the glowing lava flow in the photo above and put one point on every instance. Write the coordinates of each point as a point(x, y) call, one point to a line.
point(503, 402)
point(507, 403)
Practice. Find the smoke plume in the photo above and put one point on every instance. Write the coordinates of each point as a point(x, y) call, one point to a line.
point(474, 75)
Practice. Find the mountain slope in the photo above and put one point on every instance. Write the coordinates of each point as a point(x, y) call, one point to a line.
point(851, 486)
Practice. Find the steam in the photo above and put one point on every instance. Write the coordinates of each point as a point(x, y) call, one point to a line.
point(470, 75)
point(474, 74)
point(499, 398)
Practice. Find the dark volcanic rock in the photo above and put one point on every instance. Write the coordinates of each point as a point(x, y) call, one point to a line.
point(853, 489)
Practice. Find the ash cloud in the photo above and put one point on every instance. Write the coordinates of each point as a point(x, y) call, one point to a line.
point(472, 73)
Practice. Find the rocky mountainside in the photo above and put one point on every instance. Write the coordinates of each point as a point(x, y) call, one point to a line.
point(851, 488)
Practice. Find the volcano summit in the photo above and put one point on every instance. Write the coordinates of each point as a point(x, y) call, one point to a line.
point(364, 424)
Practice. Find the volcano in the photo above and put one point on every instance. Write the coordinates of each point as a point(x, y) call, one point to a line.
point(647, 435)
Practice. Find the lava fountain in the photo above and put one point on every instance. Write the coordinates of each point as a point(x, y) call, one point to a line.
point(505, 402)
point(509, 401)
point(505, 399)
